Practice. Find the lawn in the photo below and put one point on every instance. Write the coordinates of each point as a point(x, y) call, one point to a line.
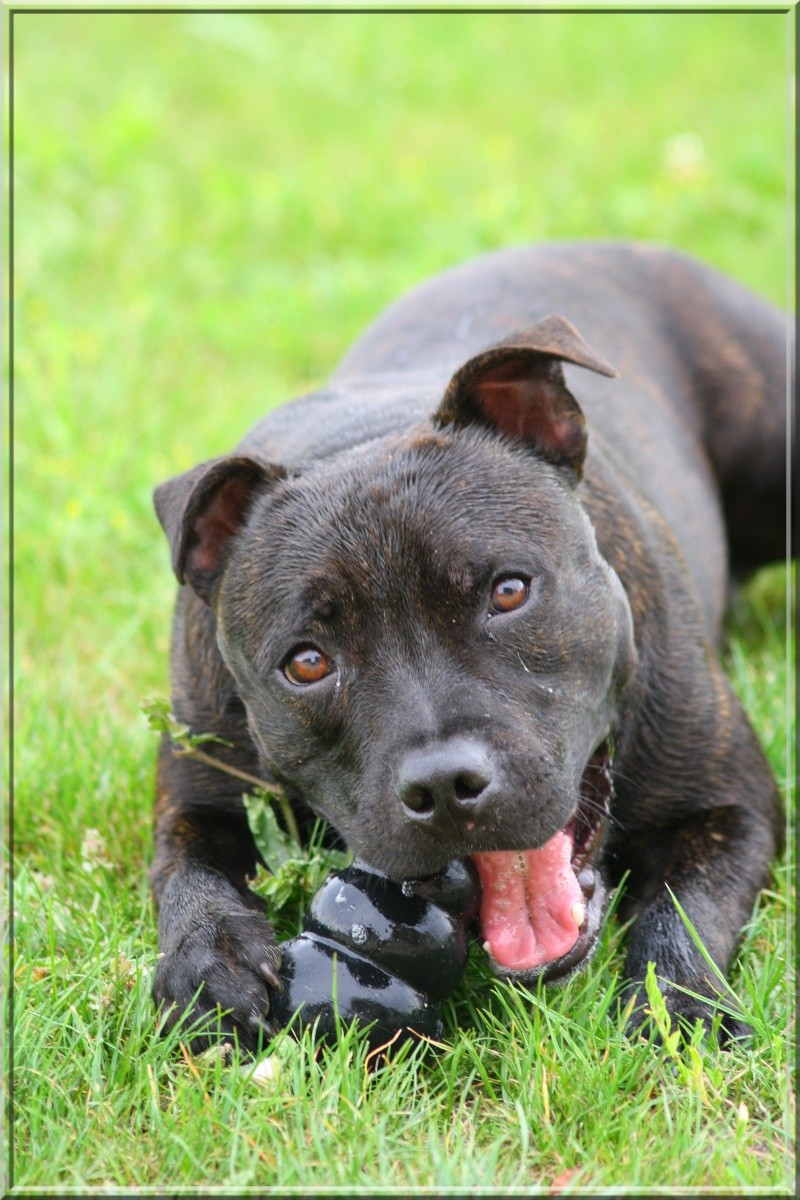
point(208, 208)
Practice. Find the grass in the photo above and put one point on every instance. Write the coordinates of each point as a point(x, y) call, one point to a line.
point(208, 208)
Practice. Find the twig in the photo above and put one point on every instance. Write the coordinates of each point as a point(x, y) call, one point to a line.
point(162, 720)
point(201, 756)
point(273, 790)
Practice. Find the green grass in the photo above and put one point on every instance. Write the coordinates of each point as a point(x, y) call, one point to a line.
point(208, 209)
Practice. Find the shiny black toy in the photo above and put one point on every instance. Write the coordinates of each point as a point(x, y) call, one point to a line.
point(373, 950)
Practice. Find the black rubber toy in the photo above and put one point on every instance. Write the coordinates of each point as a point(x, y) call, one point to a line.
point(378, 951)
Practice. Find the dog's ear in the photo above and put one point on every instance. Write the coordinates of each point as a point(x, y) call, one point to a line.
point(517, 387)
point(203, 509)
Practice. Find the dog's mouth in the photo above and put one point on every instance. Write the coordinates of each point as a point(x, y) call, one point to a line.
point(541, 910)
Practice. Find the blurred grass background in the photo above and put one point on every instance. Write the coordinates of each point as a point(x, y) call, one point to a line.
point(208, 208)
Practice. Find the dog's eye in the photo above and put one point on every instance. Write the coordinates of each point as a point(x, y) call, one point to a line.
point(509, 592)
point(306, 664)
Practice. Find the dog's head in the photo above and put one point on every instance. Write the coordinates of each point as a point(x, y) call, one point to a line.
point(428, 643)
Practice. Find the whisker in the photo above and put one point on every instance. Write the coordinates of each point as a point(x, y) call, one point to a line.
point(637, 787)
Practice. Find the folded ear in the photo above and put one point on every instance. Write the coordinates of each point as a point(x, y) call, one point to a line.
point(203, 509)
point(517, 387)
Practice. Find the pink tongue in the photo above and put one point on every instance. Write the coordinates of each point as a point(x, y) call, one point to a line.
point(528, 903)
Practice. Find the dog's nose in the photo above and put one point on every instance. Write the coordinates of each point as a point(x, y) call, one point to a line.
point(445, 782)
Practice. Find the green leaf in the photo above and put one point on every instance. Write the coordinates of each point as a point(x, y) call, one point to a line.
point(274, 845)
point(658, 1007)
point(158, 714)
point(161, 719)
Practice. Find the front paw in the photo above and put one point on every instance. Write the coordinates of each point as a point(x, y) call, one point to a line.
point(681, 1011)
point(234, 961)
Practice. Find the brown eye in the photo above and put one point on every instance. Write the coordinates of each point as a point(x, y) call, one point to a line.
point(306, 665)
point(508, 593)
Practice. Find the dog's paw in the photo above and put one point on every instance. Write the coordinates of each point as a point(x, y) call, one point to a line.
point(234, 961)
point(684, 1012)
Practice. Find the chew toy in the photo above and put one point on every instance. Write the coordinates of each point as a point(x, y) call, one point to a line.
point(378, 951)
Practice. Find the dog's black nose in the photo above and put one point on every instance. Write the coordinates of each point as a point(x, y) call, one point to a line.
point(445, 782)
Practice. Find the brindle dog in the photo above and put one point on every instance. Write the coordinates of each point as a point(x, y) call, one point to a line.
point(465, 601)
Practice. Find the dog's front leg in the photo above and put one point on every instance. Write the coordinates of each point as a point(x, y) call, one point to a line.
point(713, 862)
point(213, 932)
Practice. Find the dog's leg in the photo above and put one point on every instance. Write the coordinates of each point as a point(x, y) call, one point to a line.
point(212, 928)
point(714, 859)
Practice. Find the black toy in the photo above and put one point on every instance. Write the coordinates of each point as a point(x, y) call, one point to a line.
point(378, 951)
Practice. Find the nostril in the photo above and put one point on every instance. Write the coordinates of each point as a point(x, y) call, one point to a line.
point(469, 786)
point(419, 801)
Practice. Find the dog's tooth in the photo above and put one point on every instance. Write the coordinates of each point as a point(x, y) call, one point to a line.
point(578, 912)
point(587, 881)
point(487, 947)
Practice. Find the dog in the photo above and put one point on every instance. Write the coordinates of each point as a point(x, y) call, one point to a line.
point(464, 602)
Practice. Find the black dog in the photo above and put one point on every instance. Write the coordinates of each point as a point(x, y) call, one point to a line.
point(459, 618)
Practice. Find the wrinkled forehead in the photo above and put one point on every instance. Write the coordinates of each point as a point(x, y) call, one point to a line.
point(407, 502)
point(402, 517)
